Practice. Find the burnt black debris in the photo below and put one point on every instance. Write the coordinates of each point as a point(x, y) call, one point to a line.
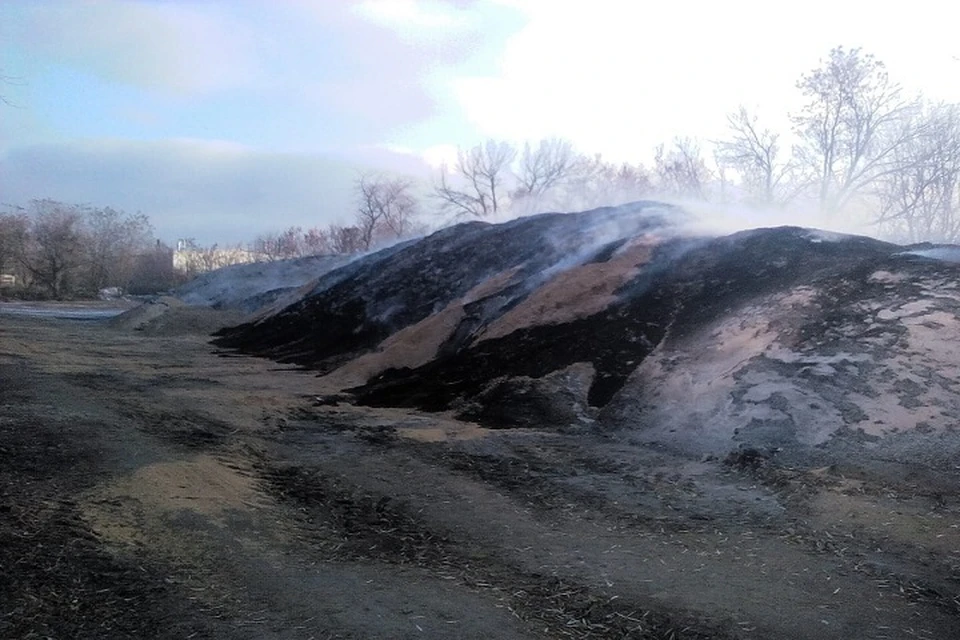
point(684, 285)
point(354, 308)
point(688, 284)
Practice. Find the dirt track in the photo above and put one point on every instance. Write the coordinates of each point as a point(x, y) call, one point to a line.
point(151, 487)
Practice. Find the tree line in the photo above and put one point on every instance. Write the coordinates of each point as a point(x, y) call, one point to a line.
point(62, 250)
point(858, 147)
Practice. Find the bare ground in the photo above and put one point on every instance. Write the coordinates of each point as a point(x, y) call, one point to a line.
point(152, 487)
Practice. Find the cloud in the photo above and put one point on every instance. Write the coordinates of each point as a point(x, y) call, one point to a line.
point(412, 14)
point(180, 48)
point(439, 155)
point(215, 191)
point(619, 77)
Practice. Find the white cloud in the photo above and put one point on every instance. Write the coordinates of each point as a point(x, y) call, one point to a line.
point(412, 14)
point(179, 48)
point(439, 155)
point(618, 77)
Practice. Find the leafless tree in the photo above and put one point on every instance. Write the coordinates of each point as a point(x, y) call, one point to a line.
point(53, 249)
point(920, 200)
point(594, 182)
point(13, 233)
point(112, 240)
point(294, 242)
point(482, 172)
point(852, 125)
point(345, 240)
point(544, 167)
point(290, 243)
point(386, 209)
point(153, 271)
point(681, 169)
point(767, 173)
point(267, 247)
point(316, 241)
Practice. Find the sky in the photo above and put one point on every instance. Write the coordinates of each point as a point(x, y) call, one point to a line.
point(225, 119)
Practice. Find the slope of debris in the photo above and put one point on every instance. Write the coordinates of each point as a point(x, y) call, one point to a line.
point(783, 341)
point(467, 275)
point(249, 287)
point(863, 359)
point(683, 285)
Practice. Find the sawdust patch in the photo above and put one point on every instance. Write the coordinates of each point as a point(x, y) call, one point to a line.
point(127, 510)
point(575, 293)
point(905, 521)
point(416, 345)
point(167, 316)
point(453, 432)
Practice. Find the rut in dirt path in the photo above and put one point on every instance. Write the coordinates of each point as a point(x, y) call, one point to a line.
point(165, 504)
point(246, 513)
point(621, 522)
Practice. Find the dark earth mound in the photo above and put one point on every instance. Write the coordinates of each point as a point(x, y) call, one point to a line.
point(688, 283)
point(352, 309)
point(808, 345)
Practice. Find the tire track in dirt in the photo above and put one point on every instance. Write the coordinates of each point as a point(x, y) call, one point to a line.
point(253, 514)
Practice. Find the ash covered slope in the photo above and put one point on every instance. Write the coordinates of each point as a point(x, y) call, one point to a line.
point(477, 266)
point(864, 357)
point(248, 287)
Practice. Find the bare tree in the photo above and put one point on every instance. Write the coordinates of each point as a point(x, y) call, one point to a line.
point(345, 240)
point(758, 158)
point(153, 271)
point(920, 200)
point(544, 167)
point(53, 250)
point(316, 242)
point(13, 232)
point(267, 247)
point(852, 125)
point(593, 182)
point(112, 240)
point(681, 169)
point(385, 209)
point(482, 172)
point(290, 243)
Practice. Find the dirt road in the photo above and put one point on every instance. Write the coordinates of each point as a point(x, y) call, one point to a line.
point(151, 487)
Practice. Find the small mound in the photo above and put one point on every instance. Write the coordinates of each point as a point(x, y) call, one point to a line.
point(171, 317)
point(248, 287)
point(192, 321)
point(137, 318)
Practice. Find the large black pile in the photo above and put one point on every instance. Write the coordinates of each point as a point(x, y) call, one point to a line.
point(688, 283)
point(354, 308)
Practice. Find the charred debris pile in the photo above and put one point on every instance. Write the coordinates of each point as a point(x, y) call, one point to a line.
point(554, 319)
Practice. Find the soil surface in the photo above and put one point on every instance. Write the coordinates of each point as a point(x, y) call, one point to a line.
point(152, 486)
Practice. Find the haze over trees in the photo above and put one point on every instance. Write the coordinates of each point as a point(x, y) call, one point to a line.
point(387, 210)
point(859, 149)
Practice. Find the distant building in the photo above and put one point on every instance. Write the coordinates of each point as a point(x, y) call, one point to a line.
point(188, 258)
point(7, 280)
